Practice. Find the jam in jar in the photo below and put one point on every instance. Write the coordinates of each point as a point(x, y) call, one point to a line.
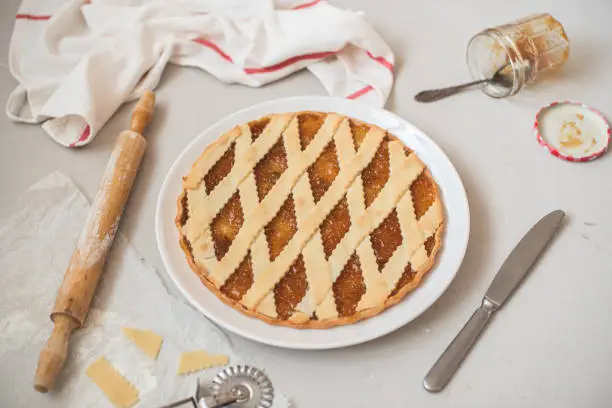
point(523, 50)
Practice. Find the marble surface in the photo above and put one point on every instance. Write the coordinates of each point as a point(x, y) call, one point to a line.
point(552, 345)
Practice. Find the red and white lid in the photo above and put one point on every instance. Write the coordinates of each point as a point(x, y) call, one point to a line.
point(572, 131)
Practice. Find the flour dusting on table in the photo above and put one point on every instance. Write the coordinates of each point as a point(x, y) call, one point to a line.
point(35, 247)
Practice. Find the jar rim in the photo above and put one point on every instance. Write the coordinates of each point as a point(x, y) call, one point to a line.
point(517, 74)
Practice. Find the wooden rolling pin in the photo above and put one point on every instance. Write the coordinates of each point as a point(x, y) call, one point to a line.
point(89, 256)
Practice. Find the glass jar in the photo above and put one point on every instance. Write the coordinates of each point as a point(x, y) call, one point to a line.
point(523, 50)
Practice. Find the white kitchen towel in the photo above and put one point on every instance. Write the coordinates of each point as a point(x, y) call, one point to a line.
point(77, 61)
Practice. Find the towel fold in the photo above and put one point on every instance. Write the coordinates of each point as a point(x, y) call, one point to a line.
point(77, 61)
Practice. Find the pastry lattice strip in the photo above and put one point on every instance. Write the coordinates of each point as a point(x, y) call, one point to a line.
point(270, 205)
point(332, 196)
point(403, 171)
point(204, 211)
point(316, 266)
point(249, 200)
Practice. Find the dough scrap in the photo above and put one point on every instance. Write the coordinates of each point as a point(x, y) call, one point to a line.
point(198, 360)
point(116, 388)
point(146, 340)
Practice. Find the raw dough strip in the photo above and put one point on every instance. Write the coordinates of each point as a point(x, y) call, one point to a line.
point(116, 388)
point(199, 360)
point(332, 196)
point(202, 212)
point(149, 342)
point(403, 171)
point(271, 204)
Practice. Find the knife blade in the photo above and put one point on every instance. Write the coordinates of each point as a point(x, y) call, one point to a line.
point(510, 275)
point(522, 257)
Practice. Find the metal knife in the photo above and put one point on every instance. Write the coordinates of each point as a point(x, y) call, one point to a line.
point(510, 275)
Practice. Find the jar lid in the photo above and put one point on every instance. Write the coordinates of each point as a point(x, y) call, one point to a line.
point(572, 131)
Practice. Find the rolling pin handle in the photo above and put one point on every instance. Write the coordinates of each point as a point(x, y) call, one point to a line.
point(53, 356)
point(143, 112)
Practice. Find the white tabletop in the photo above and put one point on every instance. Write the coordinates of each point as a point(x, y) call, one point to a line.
point(552, 345)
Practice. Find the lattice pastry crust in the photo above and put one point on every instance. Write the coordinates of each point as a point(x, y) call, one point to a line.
point(309, 219)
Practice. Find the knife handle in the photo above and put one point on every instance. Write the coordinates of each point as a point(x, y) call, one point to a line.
point(442, 371)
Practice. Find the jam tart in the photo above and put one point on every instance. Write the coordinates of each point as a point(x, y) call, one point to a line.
point(309, 219)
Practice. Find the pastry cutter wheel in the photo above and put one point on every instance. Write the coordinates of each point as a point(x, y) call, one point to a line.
point(236, 387)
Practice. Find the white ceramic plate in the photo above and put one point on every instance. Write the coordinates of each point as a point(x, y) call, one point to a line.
point(437, 280)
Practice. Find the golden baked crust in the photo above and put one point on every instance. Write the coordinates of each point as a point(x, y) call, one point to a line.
point(347, 291)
